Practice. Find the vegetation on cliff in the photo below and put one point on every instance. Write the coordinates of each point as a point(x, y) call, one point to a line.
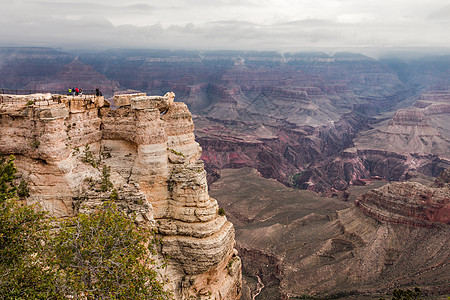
point(100, 255)
point(23, 269)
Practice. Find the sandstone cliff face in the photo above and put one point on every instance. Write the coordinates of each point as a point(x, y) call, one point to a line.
point(306, 245)
point(148, 146)
point(354, 165)
point(413, 139)
point(408, 203)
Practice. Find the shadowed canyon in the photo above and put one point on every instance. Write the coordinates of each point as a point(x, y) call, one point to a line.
point(332, 167)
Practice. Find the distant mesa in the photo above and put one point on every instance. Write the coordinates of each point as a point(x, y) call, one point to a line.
point(75, 74)
point(408, 203)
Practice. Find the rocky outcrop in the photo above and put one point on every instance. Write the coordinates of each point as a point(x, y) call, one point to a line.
point(408, 203)
point(414, 140)
point(409, 131)
point(443, 180)
point(68, 148)
point(306, 246)
point(75, 74)
point(276, 152)
point(353, 165)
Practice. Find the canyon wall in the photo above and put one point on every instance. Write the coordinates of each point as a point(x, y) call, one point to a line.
point(414, 139)
point(408, 203)
point(293, 116)
point(68, 148)
point(304, 246)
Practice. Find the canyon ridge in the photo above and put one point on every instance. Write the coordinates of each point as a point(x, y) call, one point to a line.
point(336, 127)
point(73, 151)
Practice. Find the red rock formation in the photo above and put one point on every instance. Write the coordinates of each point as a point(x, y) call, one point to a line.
point(75, 74)
point(443, 179)
point(305, 246)
point(353, 165)
point(408, 203)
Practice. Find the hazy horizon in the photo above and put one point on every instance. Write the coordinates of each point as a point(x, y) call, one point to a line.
point(374, 53)
point(282, 25)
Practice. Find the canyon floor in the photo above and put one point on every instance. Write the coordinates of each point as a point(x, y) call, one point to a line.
point(294, 243)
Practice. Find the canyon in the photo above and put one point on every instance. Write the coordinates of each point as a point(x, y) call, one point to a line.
point(304, 246)
point(292, 116)
point(300, 150)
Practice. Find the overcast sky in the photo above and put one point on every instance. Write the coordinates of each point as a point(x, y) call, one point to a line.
point(282, 25)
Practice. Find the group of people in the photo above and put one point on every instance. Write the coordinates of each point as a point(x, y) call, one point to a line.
point(79, 92)
point(75, 91)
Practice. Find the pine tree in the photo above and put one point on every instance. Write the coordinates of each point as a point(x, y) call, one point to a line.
point(104, 255)
point(101, 255)
point(23, 229)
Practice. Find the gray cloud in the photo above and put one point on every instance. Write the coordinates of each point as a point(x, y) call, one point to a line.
point(82, 7)
point(226, 24)
point(442, 14)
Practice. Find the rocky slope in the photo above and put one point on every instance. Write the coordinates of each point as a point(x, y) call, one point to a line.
point(69, 148)
point(303, 245)
point(408, 203)
point(75, 74)
point(422, 129)
point(277, 113)
point(291, 115)
point(415, 139)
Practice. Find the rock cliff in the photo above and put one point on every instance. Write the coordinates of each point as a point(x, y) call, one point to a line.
point(73, 150)
point(413, 139)
point(306, 246)
point(408, 203)
point(283, 114)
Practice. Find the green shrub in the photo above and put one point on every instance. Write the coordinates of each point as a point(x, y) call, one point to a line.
point(22, 189)
point(89, 181)
point(177, 153)
point(35, 144)
point(106, 182)
point(221, 212)
point(114, 195)
point(103, 255)
point(23, 230)
point(88, 157)
point(406, 294)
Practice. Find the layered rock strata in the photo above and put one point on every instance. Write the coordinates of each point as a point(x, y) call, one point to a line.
point(306, 246)
point(408, 203)
point(67, 148)
point(353, 166)
point(416, 139)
